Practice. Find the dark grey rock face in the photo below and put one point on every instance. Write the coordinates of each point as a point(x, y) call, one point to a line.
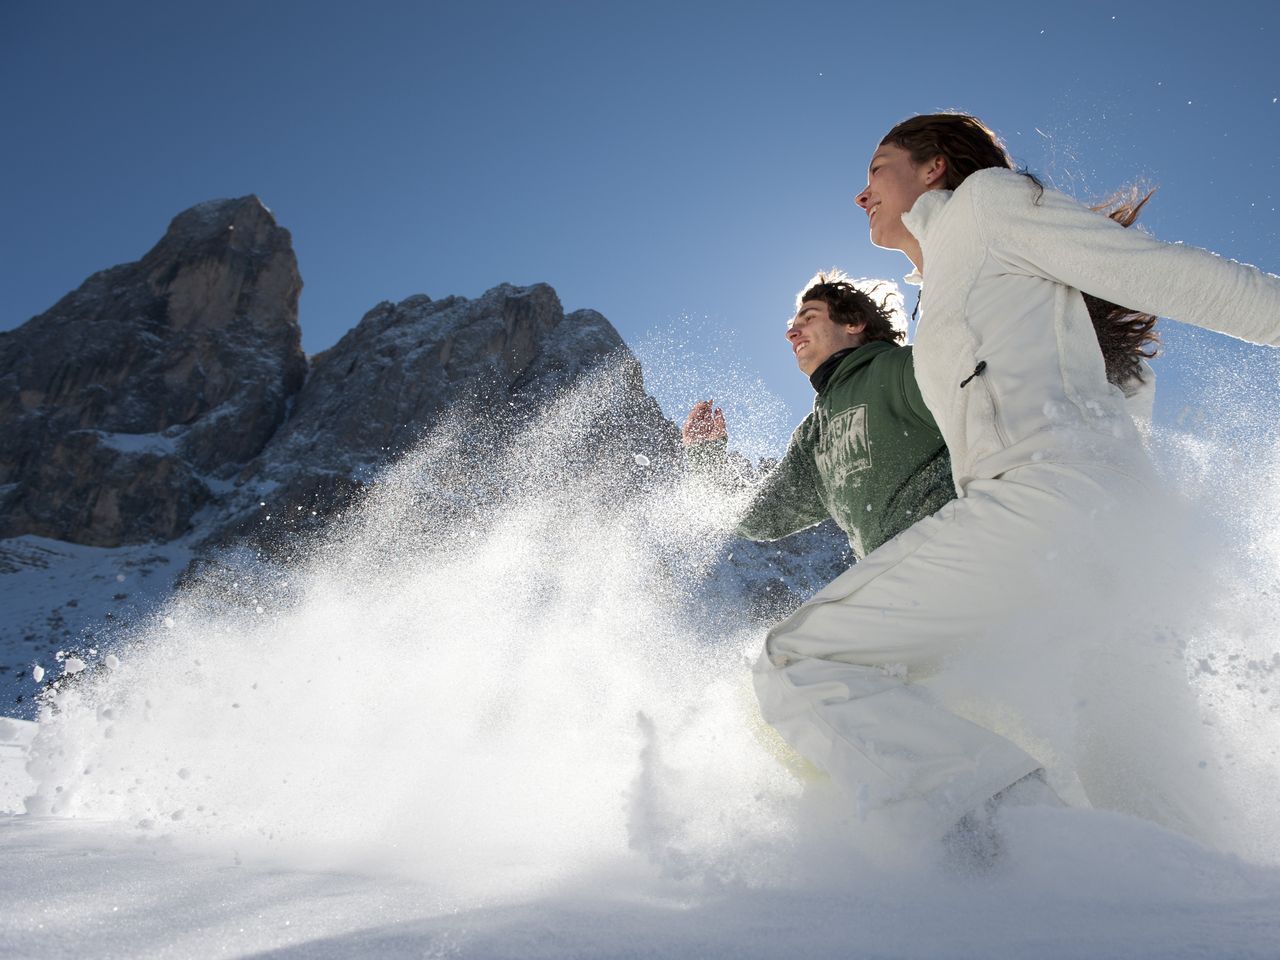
point(177, 384)
point(192, 352)
point(389, 381)
point(104, 494)
point(402, 366)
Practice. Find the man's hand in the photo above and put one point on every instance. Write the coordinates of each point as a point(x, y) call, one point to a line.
point(704, 423)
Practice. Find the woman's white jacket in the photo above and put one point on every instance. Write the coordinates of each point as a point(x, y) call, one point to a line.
point(1005, 260)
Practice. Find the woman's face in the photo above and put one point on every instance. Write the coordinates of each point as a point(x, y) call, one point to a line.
point(894, 183)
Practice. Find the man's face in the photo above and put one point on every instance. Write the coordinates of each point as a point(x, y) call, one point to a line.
point(814, 337)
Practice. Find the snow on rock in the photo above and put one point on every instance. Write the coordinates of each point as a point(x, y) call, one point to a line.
point(155, 443)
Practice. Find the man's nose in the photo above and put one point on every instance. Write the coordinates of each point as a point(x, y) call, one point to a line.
point(863, 199)
point(792, 333)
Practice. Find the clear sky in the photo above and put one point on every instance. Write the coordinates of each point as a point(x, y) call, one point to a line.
point(681, 167)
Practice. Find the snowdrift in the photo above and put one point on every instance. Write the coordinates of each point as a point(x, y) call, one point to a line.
point(501, 710)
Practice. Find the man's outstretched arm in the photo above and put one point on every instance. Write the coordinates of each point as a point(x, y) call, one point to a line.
point(785, 500)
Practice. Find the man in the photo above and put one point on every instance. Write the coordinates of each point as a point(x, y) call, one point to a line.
point(869, 455)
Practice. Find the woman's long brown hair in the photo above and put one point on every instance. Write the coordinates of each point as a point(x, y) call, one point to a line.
point(1126, 337)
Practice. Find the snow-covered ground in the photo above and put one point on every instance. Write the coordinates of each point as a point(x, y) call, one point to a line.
point(67, 598)
point(480, 728)
point(1075, 884)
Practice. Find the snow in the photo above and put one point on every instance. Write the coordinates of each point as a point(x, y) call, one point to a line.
point(139, 443)
point(60, 595)
point(1079, 884)
point(534, 736)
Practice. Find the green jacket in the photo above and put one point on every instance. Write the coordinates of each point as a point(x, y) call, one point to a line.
point(869, 455)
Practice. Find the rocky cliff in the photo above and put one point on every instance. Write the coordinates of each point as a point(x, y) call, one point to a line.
point(121, 402)
point(165, 410)
point(171, 395)
point(390, 379)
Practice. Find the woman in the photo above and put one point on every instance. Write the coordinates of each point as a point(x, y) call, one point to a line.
point(874, 678)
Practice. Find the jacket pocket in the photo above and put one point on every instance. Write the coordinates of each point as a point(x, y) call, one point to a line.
point(985, 438)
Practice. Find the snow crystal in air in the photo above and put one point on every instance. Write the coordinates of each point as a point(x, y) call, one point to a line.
point(478, 638)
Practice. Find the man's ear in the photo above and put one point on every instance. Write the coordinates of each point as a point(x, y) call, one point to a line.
point(855, 328)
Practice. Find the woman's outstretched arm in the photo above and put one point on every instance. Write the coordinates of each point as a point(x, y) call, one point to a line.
point(1062, 240)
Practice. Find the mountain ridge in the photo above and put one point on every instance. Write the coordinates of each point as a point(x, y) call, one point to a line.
point(163, 415)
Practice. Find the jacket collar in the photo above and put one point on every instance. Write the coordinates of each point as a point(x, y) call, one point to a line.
point(845, 362)
point(922, 213)
point(820, 377)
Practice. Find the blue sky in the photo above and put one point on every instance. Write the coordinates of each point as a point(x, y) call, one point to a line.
point(682, 168)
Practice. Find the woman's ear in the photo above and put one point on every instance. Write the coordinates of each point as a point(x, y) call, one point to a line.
point(936, 172)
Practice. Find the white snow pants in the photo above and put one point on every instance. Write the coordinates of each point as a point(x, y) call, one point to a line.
point(849, 678)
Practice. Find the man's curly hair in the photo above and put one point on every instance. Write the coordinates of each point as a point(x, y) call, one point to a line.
point(847, 303)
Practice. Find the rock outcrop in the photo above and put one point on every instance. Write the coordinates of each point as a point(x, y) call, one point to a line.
point(122, 401)
point(165, 409)
point(176, 387)
point(388, 381)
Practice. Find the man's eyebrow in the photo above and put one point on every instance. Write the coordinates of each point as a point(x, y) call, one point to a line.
point(798, 314)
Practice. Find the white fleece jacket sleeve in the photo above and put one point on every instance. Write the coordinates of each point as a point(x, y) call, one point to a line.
point(1063, 240)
